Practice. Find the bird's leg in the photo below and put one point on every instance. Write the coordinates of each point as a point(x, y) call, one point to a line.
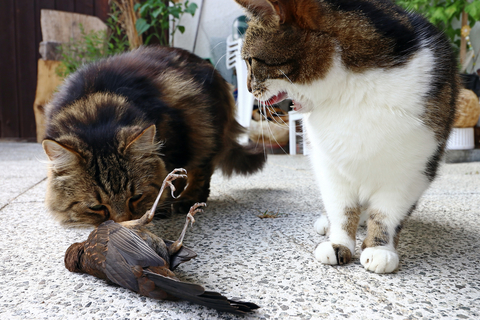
point(148, 216)
point(175, 174)
point(172, 249)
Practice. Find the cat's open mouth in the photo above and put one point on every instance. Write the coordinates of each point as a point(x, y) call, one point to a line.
point(276, 99)
point(279, 98)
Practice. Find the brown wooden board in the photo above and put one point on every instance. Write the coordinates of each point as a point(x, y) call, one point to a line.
point(85, 7)
point(64, 5)
point(19, 41)
point(102, 9)
point(26, 48)
point(9, 126)
point(43, 4)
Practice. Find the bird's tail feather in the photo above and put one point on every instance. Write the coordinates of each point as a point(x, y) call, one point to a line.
point(197, 294)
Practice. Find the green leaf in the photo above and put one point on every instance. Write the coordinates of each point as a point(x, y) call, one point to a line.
point(192, 7)
point(157, 12)
point(144, 9)
point(451, 11)
point(175, 11)
point(165, 24)
point(136, 6)
point(473, 10)
point(439, 15)
point(147, 40)
point(181, 29)
point(141, 25)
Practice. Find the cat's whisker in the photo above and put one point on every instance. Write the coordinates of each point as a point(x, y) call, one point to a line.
point(263, 117)
point(215, 46)
point(287, 78)
point(258, 140)
point(218, 61)
point(271, 133)
point(276, 120)
point(263, 135)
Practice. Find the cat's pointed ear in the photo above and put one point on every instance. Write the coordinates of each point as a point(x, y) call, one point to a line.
point(273, 10)
point(307, 14)
point(143, 142)
point(59, 155)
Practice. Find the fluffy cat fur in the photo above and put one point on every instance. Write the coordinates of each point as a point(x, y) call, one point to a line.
point(378, 87)
point(118, 126)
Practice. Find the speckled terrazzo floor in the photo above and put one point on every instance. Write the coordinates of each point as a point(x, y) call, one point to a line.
point(266, 261)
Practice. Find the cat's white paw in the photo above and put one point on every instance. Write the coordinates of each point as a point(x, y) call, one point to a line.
point(321, 225)
point(379, 259)
point(325, 253)
point(331, 253)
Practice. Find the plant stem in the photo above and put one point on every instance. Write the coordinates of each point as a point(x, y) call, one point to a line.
point(463, 41)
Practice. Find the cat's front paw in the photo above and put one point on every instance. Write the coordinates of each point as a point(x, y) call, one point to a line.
point(379, 259)
point(330, 253)
point(321, 225)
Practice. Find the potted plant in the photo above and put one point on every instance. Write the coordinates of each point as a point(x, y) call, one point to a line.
point(443, 14)
point(156, 16)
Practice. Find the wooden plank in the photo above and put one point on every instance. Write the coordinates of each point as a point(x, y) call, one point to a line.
point(9, 126)
point(26, 49)
point(102, 9)
point(64, 5)
point(47, 83)
point(19, 40)
point(41, 4)
point(62, 26)
point(85, 7)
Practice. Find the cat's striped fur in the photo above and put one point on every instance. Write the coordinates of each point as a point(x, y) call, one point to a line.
point(118, 126)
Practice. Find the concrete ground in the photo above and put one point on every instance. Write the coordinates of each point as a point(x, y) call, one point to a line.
point(266, 261)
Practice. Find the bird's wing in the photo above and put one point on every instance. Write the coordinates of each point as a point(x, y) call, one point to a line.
point(125, 250)
point(197, 294)
point(119, 271)
point(132, 248)
point(183, 255)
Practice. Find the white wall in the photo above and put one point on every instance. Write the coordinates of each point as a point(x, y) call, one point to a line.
point(217, 17)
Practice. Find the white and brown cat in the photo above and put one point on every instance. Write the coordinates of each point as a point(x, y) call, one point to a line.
point(378, 88)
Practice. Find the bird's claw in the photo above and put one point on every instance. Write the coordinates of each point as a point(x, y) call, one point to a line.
point(175, 174)
point(193, 210)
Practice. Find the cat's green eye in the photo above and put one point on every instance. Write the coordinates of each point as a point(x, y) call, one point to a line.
point(99, 207)
point(136, 197)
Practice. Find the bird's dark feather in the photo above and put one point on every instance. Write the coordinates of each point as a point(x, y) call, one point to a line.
point(197, 294)
point(118, 271)
point(183, 255)
point(132, 248)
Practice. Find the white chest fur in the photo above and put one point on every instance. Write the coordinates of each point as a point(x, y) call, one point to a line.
point(371, 121)
point(367, 127)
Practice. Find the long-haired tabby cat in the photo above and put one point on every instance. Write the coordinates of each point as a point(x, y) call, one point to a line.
point(118, 126)
point(378, 88)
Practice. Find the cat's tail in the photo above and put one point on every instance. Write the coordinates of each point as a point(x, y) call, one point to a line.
point(240, 159)
point(234, 157)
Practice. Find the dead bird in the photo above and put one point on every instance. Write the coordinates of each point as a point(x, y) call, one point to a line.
point(131, 256)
